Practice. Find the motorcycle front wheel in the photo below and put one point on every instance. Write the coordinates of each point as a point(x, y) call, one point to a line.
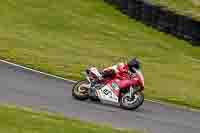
point(80, 90)
point(132, 103)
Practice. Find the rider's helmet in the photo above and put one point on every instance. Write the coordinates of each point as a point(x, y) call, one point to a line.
point(133, 64)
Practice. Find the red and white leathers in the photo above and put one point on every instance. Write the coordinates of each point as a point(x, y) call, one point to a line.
point(121, 72)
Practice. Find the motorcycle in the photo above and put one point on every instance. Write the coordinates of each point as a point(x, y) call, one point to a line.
point(130, 97)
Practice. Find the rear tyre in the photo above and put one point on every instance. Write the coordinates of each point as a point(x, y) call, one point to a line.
point(132, 103)
point(80, 91)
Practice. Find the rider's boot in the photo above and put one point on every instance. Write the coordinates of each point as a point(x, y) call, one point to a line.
point(92, 93)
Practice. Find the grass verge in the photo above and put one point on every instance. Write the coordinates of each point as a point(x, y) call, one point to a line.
point(18, 120)
point(188, 7)
point(64, 37)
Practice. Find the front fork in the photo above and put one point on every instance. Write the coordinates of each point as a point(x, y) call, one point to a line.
point(133, 91)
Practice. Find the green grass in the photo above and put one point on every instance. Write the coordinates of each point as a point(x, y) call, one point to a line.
point(184, 7)
point(64, 37)
point(15, 120)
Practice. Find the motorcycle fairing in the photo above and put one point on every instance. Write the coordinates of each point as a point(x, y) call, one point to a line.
point(109, 92)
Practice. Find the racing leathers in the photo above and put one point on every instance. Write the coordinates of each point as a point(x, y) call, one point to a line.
point(121, 71)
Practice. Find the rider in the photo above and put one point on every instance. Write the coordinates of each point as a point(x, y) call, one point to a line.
point(121, 71)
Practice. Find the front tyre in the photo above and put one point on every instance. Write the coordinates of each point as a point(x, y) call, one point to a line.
point(80, 90)
point(132, 103)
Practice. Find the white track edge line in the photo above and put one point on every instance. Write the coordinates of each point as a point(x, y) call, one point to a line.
point(36, 71)
point(72, 81)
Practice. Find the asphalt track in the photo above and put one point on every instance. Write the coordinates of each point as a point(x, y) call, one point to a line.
point(24, 87)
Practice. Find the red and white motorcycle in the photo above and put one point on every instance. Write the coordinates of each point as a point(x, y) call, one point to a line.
point(129, 97)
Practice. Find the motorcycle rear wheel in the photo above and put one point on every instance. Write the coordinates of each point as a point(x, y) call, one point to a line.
point(132, 103)
point(79, 91)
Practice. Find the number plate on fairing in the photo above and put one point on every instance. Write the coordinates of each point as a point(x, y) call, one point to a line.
point(106, 93)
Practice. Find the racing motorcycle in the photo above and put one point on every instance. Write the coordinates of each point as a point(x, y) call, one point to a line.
point(107, 89)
